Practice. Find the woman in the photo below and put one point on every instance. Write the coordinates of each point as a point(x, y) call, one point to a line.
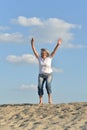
point(45, 69)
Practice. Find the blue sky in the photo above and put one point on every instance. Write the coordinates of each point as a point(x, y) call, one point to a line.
point(46, 21)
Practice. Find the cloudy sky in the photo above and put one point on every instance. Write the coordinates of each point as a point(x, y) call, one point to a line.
point(46, 21)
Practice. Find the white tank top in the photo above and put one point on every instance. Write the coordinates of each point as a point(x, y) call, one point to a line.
point(45, 65)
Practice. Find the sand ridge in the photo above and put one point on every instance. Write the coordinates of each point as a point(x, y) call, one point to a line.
point(71, 116)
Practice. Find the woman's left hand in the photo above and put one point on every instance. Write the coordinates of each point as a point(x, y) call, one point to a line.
point(59, 41)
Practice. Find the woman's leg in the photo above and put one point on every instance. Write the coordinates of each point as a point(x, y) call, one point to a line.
point(40, 100)
point(49, 98)
point(48, 87)
point(40, 88)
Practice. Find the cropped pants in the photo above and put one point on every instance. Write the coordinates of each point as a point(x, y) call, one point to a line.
point(44, 79)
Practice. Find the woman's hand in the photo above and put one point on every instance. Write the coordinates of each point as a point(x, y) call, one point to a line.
point(32, 40)
point(59, 42)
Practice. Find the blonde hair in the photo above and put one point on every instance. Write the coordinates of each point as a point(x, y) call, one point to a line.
point(45, 50)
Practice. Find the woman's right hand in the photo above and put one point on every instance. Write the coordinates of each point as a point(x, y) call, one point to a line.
point(32, 40)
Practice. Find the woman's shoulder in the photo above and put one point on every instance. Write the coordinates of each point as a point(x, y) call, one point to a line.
point(50, 57)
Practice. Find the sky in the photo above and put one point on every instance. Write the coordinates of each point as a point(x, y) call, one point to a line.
point(46, 21)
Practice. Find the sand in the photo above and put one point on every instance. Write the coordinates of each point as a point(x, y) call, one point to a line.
point(70, 116)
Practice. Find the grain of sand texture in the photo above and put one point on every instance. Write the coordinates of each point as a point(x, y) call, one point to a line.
point(70, 116)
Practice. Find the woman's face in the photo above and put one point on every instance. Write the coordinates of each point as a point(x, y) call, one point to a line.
point(43, 54)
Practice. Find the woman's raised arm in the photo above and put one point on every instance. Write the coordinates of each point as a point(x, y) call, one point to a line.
point(33, 48)
point(59, 42)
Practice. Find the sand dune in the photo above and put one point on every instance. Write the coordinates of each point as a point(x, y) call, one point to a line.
point(71, 116)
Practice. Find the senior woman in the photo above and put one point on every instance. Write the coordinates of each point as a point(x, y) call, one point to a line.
point(45, 69)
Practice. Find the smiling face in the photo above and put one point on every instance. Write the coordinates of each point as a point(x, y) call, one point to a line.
point(43, 54)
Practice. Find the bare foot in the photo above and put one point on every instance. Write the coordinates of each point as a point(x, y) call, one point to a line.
point(40, 103)
point(50, 102)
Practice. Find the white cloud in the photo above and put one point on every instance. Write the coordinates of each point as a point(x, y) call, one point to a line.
point(28, 87)
point(11, 38)
point(3, 28)
point(53, 29)
point(25, 58)
point(27, 21)
point(57, 70)
point(74, 46)
point(49, 30)
point(43, 30)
